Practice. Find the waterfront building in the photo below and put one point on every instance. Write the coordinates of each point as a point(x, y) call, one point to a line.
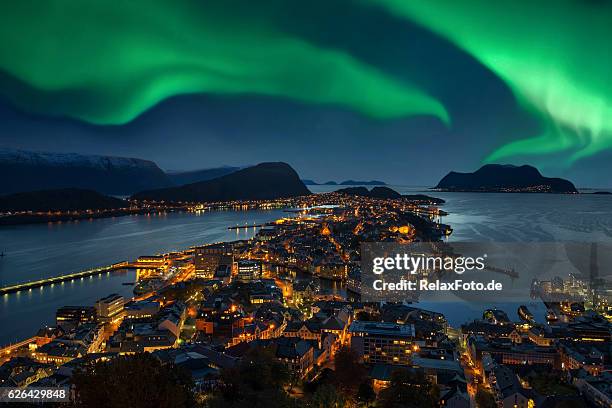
point(70, 316)
point(266, 234)
point(151, 261)
point(110, 308)
point(333, 269)
point(303, 291)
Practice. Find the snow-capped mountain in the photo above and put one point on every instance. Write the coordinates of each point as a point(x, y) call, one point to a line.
point(22, 170)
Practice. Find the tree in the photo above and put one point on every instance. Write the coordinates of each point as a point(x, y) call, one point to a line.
point(138, 381)
point(365, 393)
point(408, 390)
point(484, 399)
point(327, 396)
point(258, 381)
point(350, 373)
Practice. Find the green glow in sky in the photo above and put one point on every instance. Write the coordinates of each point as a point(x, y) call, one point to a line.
point(556, 55)
point(106, 62)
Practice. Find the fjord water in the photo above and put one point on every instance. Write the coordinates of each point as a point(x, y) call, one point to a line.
point(44, 250)
point(36, 251)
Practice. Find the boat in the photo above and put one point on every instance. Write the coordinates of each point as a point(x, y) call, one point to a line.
point(551, 316)
point(146, 286)
point(525, 314)
point(496, 316)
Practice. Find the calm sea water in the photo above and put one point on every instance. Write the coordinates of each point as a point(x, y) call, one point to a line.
point(35, 251)
point(44, 250)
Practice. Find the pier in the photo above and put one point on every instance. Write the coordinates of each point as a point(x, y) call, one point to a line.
point(247, 226)
point(18, 287)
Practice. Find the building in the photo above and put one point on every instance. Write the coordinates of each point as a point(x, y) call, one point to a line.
point(382, 342)
point(74, 315)
point(589, 357)
point(508, 390)
point(224, 273)
point(296, 354)
point(208, 258)
point(110, 308)
point(505, 352)
point(305, 330)
point(303, 291)
point(58, 352)
point(248, 270)
point(143, 309)
point(597, 390)
point(266, 234)
point(151, 261)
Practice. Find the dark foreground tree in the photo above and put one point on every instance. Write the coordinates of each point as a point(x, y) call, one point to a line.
point(366, 394)
point(259, 381)
point(138, 381)
point(484, 399)
point(327, 396)
point(408, 390)
point(349, 372)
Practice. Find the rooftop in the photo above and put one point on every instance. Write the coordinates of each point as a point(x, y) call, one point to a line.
point(382, 329)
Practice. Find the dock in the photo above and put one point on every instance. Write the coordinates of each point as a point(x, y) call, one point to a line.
point(247, 226)
point(18, 287)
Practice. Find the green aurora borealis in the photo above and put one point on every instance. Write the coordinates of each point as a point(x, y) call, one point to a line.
point(556, 55)
point(106, 63)
point(131, 55)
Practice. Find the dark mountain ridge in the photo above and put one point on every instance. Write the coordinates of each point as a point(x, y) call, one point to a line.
point(505, 178)
point(180, 178)
point(22, 171)
point(67, 199)
point(261, 182)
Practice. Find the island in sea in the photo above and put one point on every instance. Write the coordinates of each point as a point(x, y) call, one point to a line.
point(389, 193)
point(309, 182)
point(505, 178)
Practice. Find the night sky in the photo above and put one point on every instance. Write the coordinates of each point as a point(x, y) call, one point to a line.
point(402, 91)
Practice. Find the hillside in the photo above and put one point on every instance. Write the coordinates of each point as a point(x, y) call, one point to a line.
point(22, 171)
point(195, 176)
point(261, 182)
point(69, 199)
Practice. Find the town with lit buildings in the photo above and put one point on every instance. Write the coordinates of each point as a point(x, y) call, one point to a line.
point(209, 308)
